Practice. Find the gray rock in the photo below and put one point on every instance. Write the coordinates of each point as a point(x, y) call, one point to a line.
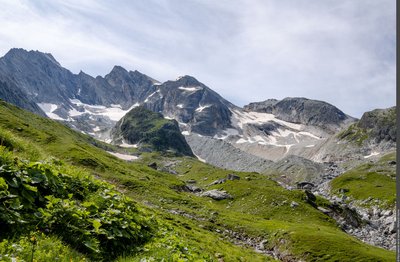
point(294, 204)
point(232, 177)
point(323, 210)
point(305, 185)
point(216, 194)
point(387, 213)
point(393, 228)
point(218, 182)
point(224, 155)
point(193, 189)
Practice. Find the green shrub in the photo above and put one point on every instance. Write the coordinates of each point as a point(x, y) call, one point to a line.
point(88, 214)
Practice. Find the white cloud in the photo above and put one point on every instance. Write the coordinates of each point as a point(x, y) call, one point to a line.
point(342, 52)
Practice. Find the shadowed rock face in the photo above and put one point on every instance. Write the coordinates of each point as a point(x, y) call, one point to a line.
point(12, 94)
point(303, 111)
point(142, 126)
point(39, 76)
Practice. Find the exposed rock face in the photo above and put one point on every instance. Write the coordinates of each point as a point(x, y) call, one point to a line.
point(303, 111)
point(142, 126)
point(10, 93)
point(192, 104)
point(118, 87)
point(44, 80)
point(374, 126)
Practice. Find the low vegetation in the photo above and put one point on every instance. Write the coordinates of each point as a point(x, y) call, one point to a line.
point(163, 220)
point(372, 184)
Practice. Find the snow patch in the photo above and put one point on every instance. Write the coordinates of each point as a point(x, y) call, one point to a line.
point(199, 158)
point(127, 145)
point(151, 95)
point(309, 134)
point(96, 129)
point(115, 112)
point(240, 118)
point(185, 133)
point(190, 89)
point(310, 146)
point(201, 108)
point(372, 154)
point(49, 108)
point(179, 106)
point(123, 156)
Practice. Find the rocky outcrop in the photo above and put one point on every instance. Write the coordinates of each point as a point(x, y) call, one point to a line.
point(216, 194)
point(375, 126)
point(144, 127)
point(10, 93)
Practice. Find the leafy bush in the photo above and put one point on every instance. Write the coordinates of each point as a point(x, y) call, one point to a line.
point(88, 214)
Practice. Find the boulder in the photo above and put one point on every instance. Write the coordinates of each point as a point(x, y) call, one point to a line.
point(153, 165)
point(218, 181)
point(305, 185)
point(217, 194)
point(232, 177)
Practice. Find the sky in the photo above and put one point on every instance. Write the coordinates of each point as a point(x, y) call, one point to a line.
point(338, 51)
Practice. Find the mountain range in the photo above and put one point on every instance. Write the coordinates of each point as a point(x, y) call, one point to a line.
point(300, 143)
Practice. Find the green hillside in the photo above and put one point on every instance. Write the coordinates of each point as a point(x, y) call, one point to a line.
point(168, 221)
point(370, 183)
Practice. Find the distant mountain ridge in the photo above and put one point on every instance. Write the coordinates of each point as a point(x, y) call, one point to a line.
point(269, 130)
point(303, 111)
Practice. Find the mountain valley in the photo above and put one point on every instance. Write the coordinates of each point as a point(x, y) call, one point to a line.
point(279, 180)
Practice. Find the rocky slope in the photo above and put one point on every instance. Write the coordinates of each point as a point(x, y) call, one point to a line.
point(9, 92)
point(222, 154)
point(374, 126)
point(195, 106)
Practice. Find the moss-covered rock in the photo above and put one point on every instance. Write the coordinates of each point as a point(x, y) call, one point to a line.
point(142, 126)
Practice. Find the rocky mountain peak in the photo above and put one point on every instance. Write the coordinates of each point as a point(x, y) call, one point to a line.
point(187, 80)
point(22, 55)
point(117, 70)
point(303, 111)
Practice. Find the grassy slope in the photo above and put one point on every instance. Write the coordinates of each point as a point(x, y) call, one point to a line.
point(373, 181)
point(260, 208)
